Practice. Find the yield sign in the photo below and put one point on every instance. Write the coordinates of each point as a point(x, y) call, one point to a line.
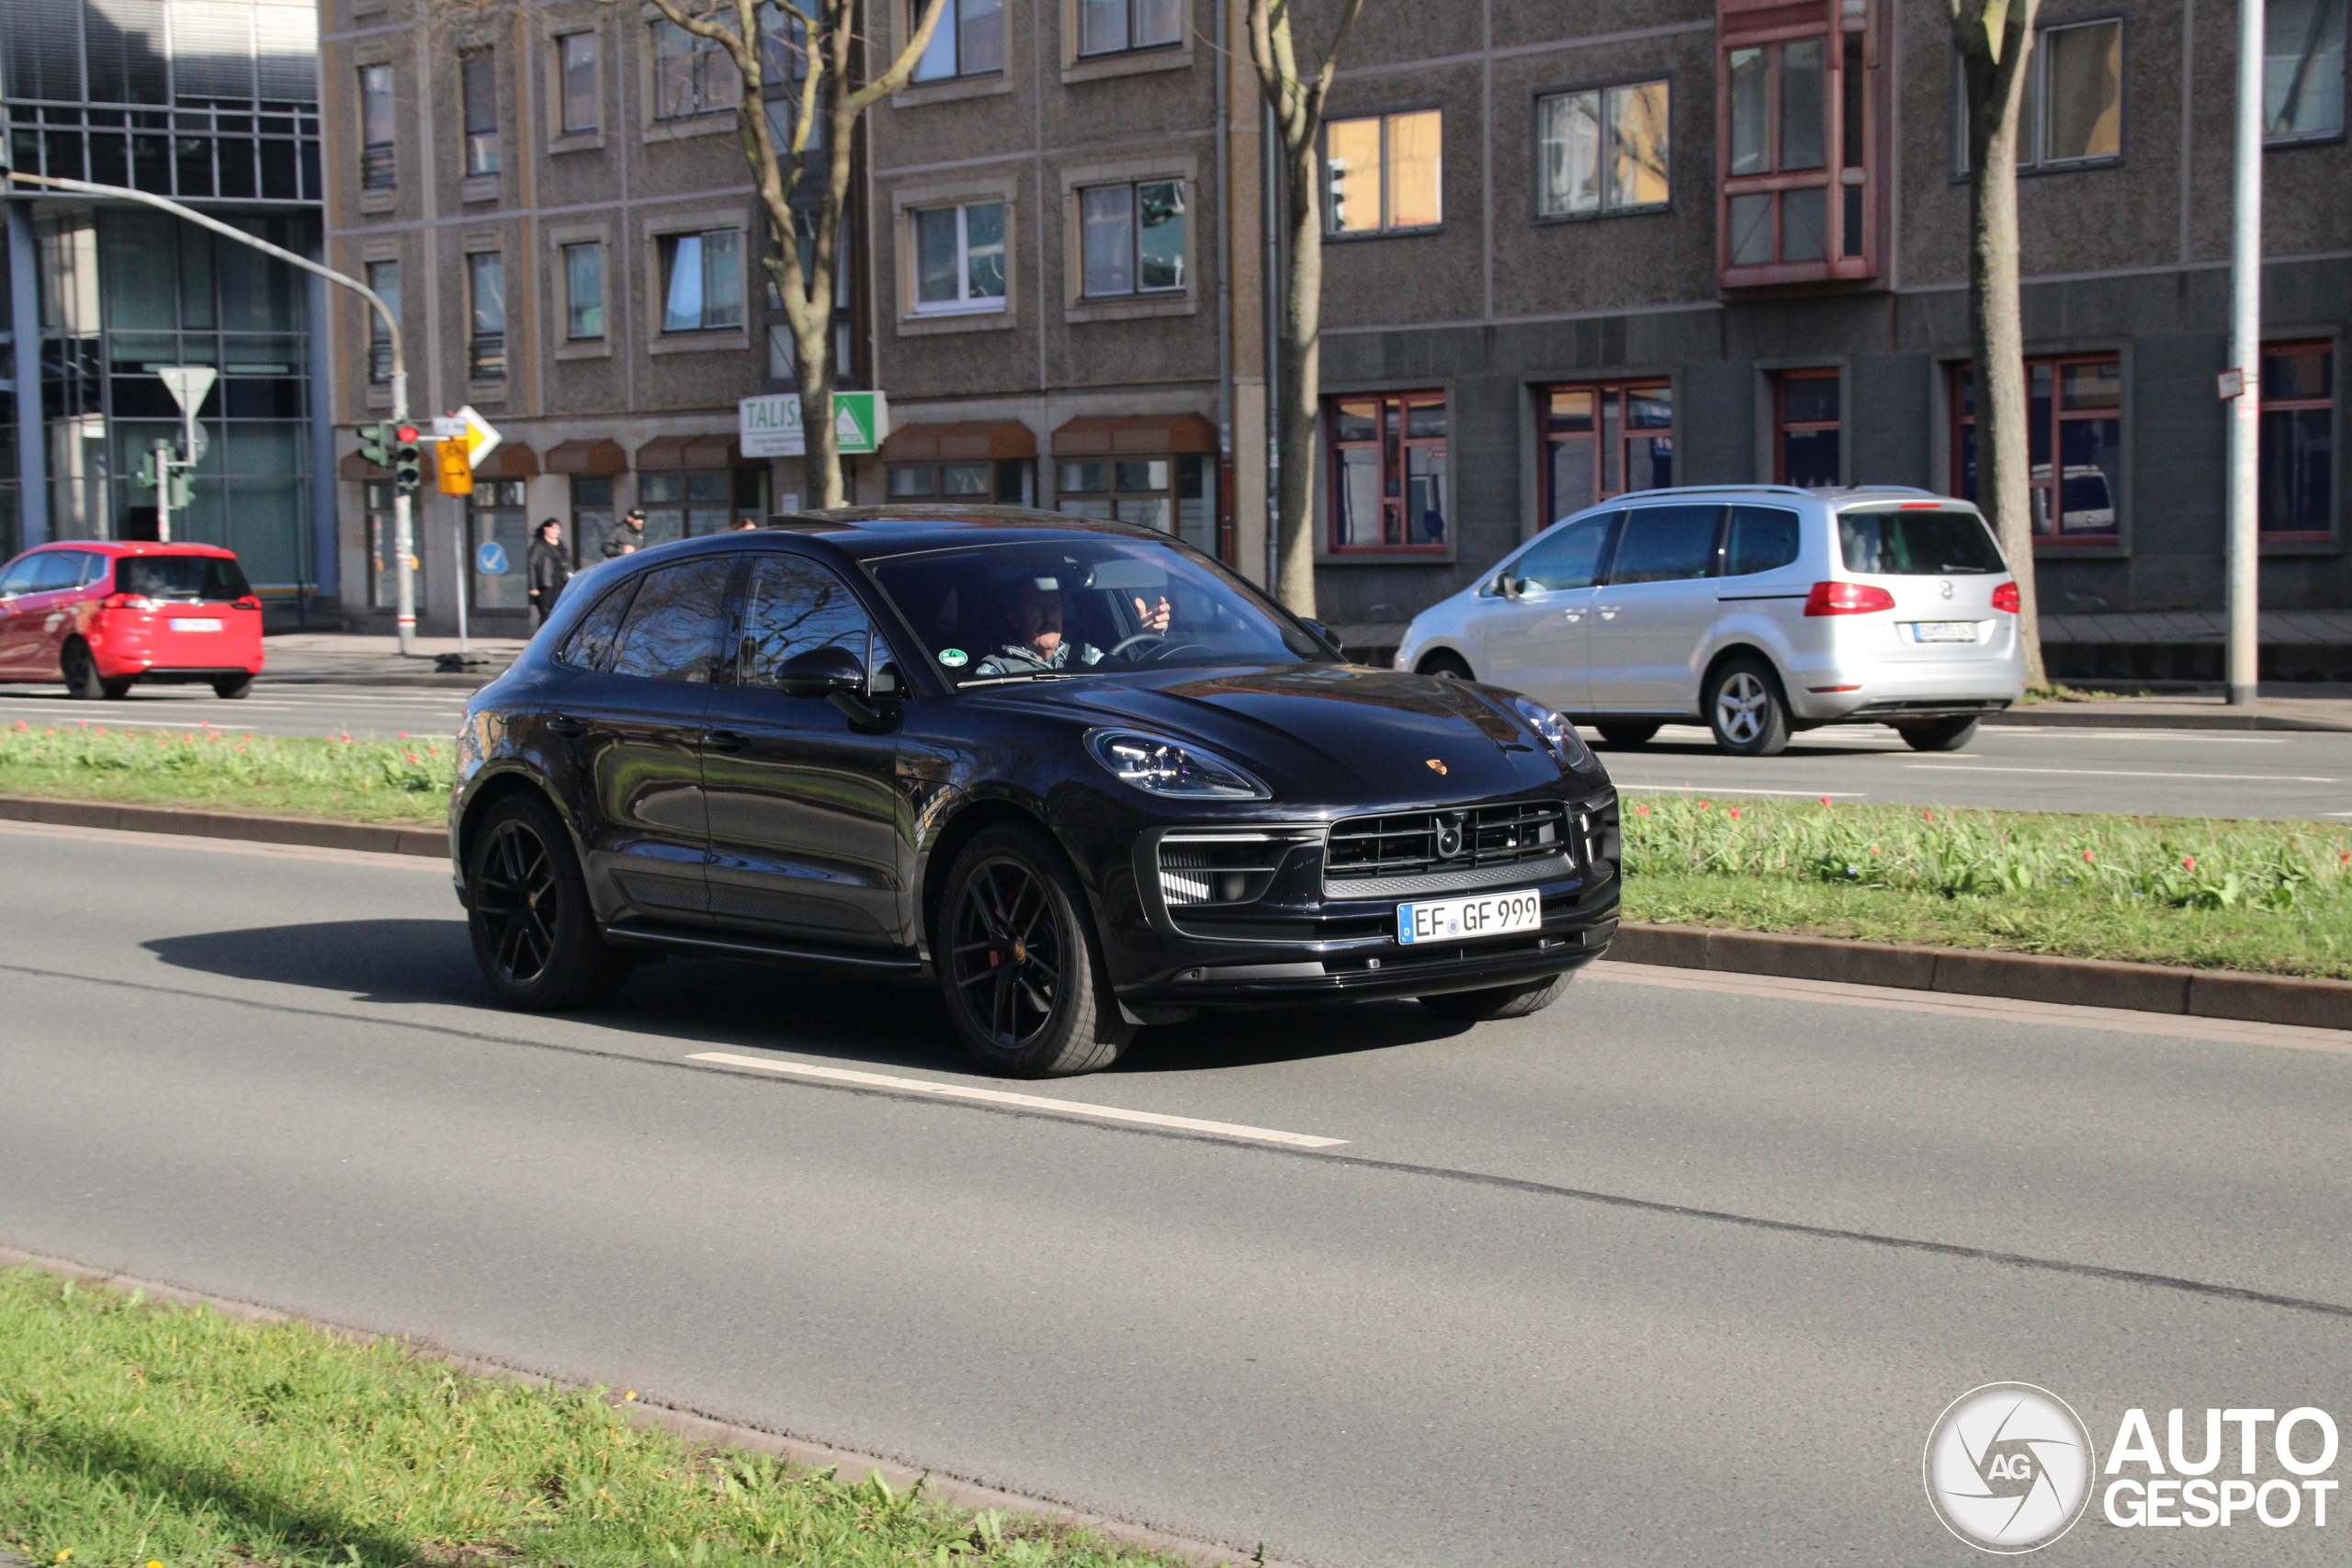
point(188, 383)
point(481, 437)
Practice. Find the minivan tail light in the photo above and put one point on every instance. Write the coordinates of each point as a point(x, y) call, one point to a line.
point(1846, 599)
point(126, 602)
point(250, 601)
point(2005, 597)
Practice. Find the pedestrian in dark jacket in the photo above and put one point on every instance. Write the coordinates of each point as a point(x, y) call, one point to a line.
point(627, 536)
point(551, 569)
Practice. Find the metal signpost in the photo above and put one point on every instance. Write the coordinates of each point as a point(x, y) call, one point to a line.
point(188, 385)
point(2243, 385)
point(462, 440)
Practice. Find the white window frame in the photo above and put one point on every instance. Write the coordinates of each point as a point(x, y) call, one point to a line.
point(964, 304)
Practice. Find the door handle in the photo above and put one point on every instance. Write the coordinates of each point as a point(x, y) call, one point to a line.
point(1608, 612)
point(1571, 614)
point(564, 724)
point(728, 740)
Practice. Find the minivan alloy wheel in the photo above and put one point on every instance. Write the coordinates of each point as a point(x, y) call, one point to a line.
point(1742, 705)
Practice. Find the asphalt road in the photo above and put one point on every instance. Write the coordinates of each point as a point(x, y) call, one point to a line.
point(2178, 772)
point(1677, 1273)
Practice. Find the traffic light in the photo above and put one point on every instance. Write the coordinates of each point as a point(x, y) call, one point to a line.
point(179, 486)
point(151, 467)
point(376, 443)
point(408, 462)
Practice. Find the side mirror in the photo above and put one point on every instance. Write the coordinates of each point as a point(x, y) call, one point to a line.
point(1320, 630)
point(1509, 587)
point(821, 672)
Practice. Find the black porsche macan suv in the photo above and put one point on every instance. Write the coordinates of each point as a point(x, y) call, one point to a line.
point(1075, 772)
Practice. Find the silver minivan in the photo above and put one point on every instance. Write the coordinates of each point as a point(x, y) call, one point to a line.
point(1760, 610)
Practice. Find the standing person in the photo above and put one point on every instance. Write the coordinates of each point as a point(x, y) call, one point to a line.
point(627, 536)
point(551, 569)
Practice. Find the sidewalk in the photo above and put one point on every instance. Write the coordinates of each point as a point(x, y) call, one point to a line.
point(2180, 712)
point(343, 659)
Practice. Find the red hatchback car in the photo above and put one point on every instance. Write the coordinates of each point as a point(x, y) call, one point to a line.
point(101, 614)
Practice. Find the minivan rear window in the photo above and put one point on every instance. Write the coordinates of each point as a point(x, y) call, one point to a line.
point(1917, 544)
point(181, 576)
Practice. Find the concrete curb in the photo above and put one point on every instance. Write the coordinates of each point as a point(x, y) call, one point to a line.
point(691, 1425)
point(2086, 982)
point(2062, 715)
point(365, 835)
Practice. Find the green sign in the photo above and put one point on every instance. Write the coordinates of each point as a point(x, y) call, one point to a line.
point(769, 425)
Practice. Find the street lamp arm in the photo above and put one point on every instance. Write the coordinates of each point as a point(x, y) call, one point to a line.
point(124, 193)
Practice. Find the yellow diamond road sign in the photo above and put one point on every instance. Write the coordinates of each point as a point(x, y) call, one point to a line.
point(478, 434)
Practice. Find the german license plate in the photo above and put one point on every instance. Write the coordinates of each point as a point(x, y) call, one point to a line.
point(1466, 920)
point(195, 623)
point(1943, 631)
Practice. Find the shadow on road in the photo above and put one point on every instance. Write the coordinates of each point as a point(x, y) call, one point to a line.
point(703, 1002)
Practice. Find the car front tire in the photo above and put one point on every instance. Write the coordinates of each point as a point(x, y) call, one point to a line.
point(1499, 1001)
point(1019, 964)
point(1944, 735)
point(534, 931)
point(1746, 710)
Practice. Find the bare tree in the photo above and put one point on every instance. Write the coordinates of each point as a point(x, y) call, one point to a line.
point(811, 48)
point(1994, 39)
point(1297, 101)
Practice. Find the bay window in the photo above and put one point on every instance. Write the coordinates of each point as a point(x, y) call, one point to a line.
point(1799, 192)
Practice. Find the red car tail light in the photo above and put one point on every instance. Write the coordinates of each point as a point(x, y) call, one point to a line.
point(1846, 599)
point(2005, 597)
point(250, 601)
point(126, 602)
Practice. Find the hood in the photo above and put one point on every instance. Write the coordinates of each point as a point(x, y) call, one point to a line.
point(1342, 733)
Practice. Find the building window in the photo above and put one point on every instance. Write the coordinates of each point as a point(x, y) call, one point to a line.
point(379, 162)
point(701, 282)
point(2302, 70)
point(2074, 445)
point(967, 41)
point(1604, 440)
point(495, 516)
point(1383, 172)
point(2297, 486)
point(384, 277)
point(960, 258)
point(576, 62)
point(1132, 236)
point(1111, 27)
point(912, 481)
point(1389, 489)
point(699, 500)
point(1799, 196)
point(690, 76)
point(1168, 493)
point(1806, 425)
point(2072, 112)
point(1604, 150)
point(583, 290)
point(383, 561)
point(486, 285)
point(479, 74)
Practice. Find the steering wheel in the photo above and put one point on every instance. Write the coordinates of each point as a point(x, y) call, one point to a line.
point(1130, 642)
point(1166, 651)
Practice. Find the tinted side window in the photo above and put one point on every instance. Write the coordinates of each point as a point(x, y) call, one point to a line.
point(1917, 544)
point(1666, 544)
point(181, 576)
point(590, 646)
point(1762, 538)
point(54, 570)
point(18, 578)
point(1568, 559)
point(673, 629)
point(792, 606)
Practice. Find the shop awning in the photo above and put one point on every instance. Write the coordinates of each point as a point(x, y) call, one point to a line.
point(966, 443)
point(692, 452)
point(509, 460)
point(1154, 434)
point(581, 456)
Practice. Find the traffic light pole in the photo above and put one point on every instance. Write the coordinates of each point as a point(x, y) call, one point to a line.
point(403, 520)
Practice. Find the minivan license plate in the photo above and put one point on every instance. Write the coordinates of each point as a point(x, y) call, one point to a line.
point(1943, 631)
point(195, 623)
point(1465, 919)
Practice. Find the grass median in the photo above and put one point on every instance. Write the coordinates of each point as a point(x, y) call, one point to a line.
point(2272, 897)
point(135, 1434)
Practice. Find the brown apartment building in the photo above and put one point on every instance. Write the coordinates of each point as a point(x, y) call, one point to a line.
point(1575, 249)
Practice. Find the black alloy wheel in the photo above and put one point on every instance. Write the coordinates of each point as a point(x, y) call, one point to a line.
point(1943, 735)
point(533, 933)
point(1019, 965)
point(1499, 1001)
point(79, 672)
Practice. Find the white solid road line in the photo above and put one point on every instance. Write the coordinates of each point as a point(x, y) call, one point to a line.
point(1024, 1101)
point(2125, 774)
point(2202, 736)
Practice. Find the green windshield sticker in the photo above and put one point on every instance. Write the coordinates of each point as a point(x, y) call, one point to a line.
point(953, 658)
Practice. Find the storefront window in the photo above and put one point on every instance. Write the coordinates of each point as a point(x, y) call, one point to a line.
point(701, 500)
point(498, 542)
point(1170, 495)
point(592, 516)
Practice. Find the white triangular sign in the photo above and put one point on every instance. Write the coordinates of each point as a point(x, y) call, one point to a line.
point(188, 383)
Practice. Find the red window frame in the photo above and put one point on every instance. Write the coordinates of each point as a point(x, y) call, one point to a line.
point(2275, 404)
point(1783, 426)
point(1853, 129)
point(1611, 433)
point(1394, 445)
point(2046, 447)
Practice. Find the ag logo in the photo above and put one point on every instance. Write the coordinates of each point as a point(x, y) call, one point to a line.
point(2008, 1466)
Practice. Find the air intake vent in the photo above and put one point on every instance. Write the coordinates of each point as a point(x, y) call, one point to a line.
point(1407, 843)
point(1219, 868)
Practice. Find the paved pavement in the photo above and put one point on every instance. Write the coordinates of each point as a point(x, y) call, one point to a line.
point(1678, 1272)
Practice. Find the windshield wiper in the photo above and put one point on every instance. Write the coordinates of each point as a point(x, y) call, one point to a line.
point(1022, 675)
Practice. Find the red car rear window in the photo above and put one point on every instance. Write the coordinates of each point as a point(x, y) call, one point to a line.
point(180, 576)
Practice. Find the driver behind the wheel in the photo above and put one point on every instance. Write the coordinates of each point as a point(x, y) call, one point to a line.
point(1034, 618)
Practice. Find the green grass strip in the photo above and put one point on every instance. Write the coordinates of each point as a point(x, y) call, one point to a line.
point(137, 1434)
point(404, 779)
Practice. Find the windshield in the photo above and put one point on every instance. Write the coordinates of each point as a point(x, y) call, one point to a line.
point(180, 576)
point(1082, 606)
point(1917, 543)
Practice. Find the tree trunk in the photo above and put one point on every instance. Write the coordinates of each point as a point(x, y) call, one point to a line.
point(1301, 381)
point(1996, 334)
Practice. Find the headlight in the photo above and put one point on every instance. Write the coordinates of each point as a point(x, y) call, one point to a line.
point(1158, 766)
point(1556, 731)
